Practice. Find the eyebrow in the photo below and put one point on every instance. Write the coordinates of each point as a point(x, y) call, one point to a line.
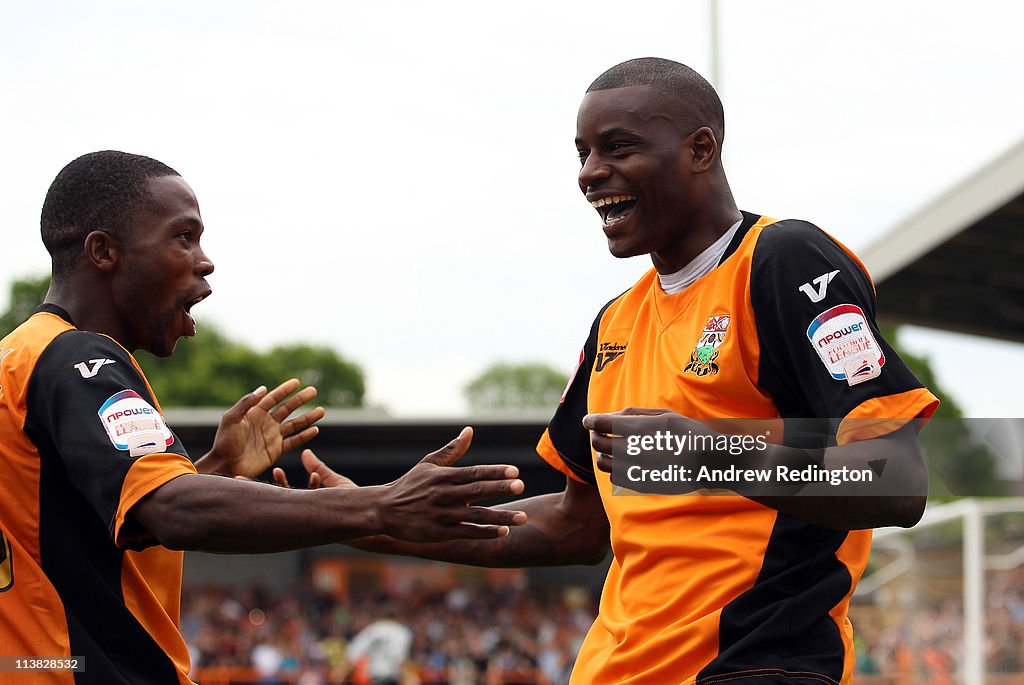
point(190, 221)
point(612, 132)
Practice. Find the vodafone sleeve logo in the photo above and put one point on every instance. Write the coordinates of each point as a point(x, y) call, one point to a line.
point(133, 425)
point(93, 367)
point(817, 293)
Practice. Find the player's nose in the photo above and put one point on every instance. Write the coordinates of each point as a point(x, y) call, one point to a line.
point(204, 265)
point(593, 171)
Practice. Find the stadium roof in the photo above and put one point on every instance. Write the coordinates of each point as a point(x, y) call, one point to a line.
point(958, 263)
point(353, 438)
point(376, 418)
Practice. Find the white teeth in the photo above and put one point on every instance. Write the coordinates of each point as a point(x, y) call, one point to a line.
point(612, 200)
point(193, 303)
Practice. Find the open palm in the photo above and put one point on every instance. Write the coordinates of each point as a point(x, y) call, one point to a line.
point(256, 431)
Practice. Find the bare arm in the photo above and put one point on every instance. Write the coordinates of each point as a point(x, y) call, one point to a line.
point(894, 496)
point(216, 514)
point(569, 527)
point(429, 503)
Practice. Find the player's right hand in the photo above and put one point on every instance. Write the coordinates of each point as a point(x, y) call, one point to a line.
point(432, 502)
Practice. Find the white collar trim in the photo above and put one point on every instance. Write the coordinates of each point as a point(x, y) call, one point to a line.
point(700, 265)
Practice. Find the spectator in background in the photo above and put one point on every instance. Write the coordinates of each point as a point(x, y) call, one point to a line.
point(385, 645)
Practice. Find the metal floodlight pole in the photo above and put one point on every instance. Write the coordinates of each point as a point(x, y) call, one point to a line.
point(974, 594)
point(716, 68)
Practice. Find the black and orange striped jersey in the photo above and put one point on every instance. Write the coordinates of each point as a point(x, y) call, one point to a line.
point(82, 440)
point(717, 588)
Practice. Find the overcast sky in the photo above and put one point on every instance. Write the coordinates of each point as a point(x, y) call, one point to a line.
point(398, 179)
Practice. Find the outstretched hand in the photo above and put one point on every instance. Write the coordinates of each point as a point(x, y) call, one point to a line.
point(256, 431)
point(432, 501)
point(320, 475)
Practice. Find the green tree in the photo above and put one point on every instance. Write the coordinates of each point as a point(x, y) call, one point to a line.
point(503, 387)
point(340, 382)
point(958, 463)
point(211, 370)
point(26, 294)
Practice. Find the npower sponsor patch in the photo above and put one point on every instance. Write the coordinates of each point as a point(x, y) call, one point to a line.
point(841, 335)
point(133, 425)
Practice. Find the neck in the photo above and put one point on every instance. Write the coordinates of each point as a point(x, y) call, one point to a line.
point(78, 296)
point(698, 234)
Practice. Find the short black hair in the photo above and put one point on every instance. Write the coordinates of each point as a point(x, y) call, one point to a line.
point(675, 80)
point(100, 190)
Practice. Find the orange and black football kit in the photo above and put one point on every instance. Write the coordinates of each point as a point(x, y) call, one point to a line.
point(82, 440)
point(713, 589)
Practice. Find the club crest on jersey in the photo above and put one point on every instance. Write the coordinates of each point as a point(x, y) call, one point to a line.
point(704, 355)
point(843, 340)
point(133, 425)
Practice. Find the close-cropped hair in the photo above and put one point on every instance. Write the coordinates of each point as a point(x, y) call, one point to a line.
point(97, 191)
point(672, 79)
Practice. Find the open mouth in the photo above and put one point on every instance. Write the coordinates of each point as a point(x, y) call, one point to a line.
point(188, 308)
point(196, 300)
point(614, 209)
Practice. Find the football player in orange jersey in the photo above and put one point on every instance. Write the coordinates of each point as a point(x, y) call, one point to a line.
point(98, 491)
point(742, 317)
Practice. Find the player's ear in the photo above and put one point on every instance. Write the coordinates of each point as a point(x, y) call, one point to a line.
point(704, 147)
point(102, 250)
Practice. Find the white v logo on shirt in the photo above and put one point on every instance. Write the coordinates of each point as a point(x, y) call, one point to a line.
point(97, 364)
point(822, 281)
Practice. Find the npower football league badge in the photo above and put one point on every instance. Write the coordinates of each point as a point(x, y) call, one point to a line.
point(843, 340)
point(133, 425)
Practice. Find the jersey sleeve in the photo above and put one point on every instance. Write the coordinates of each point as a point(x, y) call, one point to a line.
point(822, 355)
point(565, 444)
point(91, 410)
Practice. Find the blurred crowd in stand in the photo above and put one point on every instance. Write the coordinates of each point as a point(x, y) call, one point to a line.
point(458, 636)
point(924, 643)
point(466, 635)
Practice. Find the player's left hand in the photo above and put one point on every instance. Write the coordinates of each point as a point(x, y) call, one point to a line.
point(320, 475)
point(256, 431)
